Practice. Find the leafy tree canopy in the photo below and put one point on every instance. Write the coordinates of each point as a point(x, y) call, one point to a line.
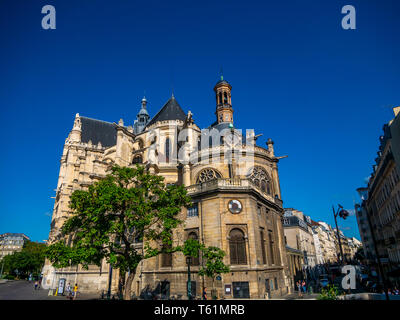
point(126, 207)
point(29, 260)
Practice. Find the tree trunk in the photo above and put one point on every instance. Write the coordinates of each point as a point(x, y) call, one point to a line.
point(128, 286)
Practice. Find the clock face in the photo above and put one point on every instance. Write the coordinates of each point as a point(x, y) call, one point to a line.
point(235, 206)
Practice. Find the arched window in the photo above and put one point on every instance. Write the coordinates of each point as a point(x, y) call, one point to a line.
point(260, 178)
point(195, 260)
point(225, 98)
point(137, 159)
point(207, 175)
point(220, 98)
point(237, 247)
point(167, 146)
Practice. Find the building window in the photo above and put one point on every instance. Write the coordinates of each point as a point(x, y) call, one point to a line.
point(207, 175)
point(193, 211)
point(264, 257)
point(167, 149)
point(237, 247)
point(271, 246)
point(276, 283)
point(137, 159)
point(260, 178)
point(195, 260)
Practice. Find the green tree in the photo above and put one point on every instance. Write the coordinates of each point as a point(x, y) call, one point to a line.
point(212, 256)
point(214, 264)
point(128, 206)
point(331, 292)
point(29, 260)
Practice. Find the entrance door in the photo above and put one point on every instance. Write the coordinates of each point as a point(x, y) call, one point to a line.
point(241, 290)
point(267, 288)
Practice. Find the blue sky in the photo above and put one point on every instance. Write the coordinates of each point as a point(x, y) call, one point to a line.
point(320, 92)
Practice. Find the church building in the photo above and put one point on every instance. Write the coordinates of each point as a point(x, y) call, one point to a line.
point(233, 183)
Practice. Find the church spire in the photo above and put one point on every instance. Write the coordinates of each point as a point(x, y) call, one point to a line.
point(224, 109)
point(142, 117)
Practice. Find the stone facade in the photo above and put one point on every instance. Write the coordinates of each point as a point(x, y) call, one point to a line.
point(11, 242)
point(327, 240)
point(299, 235)
point(237, 202)
point(381, 200)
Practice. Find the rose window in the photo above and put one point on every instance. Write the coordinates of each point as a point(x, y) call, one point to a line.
point(260, 178)
point(207, 175)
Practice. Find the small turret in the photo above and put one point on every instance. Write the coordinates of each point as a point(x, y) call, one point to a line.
point(143, 118)
point(76, 132)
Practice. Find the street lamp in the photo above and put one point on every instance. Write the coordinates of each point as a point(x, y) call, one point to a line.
point(109, 282)
point(343, 214)
point(189, 282)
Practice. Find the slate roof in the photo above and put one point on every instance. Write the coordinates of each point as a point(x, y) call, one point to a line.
point(98, 131)
point(170, 111)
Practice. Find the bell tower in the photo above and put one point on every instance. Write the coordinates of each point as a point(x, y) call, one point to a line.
point(224, 109)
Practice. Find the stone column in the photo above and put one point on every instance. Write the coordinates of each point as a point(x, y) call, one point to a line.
point(186, 175)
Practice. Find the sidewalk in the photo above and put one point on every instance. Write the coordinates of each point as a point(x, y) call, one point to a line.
point(295, 296)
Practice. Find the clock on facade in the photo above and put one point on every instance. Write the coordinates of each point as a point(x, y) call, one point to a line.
point(235, 206)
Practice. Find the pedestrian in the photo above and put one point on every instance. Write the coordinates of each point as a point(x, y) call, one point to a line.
point(36, 284)
point(303, 285)
point(396, 291)
point(298, 283)
point(205, 293)
point(75, 290)
point(69, 291)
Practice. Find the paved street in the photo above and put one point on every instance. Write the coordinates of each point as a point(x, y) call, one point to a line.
point(24, 290)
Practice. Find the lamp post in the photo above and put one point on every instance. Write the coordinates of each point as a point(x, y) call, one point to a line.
point(343, 214)
point(189, 282)
point(109, 283)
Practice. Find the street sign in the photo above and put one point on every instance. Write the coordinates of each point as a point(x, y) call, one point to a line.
point(218, 278)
